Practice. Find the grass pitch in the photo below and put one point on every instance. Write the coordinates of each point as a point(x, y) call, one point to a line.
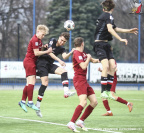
point(57, 112)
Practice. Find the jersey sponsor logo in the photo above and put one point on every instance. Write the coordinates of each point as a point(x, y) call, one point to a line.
point(36, 44)
point(51, 42)
point(80, 58)
point(111, 17)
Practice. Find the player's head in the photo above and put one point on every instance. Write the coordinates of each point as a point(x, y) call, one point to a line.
point(78, 42)
point(108, 5)
point(63, 38)
point(41, 31)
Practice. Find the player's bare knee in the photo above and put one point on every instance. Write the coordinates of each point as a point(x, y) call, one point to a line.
point(45, 82)
point(94, 103)
point(83, 103)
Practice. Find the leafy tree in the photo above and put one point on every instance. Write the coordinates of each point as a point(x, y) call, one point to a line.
point(84, 15)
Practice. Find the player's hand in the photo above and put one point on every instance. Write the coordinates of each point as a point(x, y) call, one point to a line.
point(49, 50)
point(88, 55)
point(62, 63)
point(99, 69)
point(45, 46)
point(95, 61)
point(73, 49)
point(134, 30)
point(125, 41)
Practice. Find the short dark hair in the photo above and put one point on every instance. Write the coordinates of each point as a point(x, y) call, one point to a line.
point(66, 35)
point(78, 41)
point(108, 5)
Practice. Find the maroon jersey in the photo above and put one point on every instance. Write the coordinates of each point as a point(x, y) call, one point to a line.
point(34, 43)
point(79, 57)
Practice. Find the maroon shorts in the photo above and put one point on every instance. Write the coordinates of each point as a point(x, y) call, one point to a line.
point(81, 85)
point(30, 67)
point(113, 88)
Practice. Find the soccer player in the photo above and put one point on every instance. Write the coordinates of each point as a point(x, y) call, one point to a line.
point(45, 65)
point(105, 29)
point(84, 90)
point(115, 98)
point(33, 51)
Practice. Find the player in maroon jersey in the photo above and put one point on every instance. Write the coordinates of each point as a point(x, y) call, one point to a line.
point(33, 51)
point(116, 98)
point(84, 90)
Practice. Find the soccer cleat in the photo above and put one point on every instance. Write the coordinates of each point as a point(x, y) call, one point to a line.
point(110, 95)
point(22, 105)
point(69, 94)
point(108, 114)
point(31, 105)
point(80, 123)
point(104, 95)
point(130, 106)
point(38, 112)
point(71, 126)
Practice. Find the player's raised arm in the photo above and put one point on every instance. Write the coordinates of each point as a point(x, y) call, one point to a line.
point(113, 32)
point(67, 55)
point(39, 53)
point(121, 30)
point(93, 60)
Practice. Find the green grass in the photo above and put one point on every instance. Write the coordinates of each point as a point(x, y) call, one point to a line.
point(57, 109)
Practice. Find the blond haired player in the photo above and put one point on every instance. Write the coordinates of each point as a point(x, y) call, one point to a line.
point(29, 63)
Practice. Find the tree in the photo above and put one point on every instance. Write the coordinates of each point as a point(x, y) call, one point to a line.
point(10, 11)
point(84, 15)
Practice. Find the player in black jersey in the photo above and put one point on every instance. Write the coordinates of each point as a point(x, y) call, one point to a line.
point(105, 29)
point(45, 65)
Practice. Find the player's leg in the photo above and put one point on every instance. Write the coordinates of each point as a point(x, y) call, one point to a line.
point(31, 82)
point(44, 81)
point(105, 66)
point(93, 103)
point(78, 111)
point(106, 105)
point(121, 100)
point(118, 99)
point(112, 67)
point(87, 112)
point(24, 97)
point(65, 82)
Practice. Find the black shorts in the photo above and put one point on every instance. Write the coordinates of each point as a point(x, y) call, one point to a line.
point(43, 69)
point(103, 50)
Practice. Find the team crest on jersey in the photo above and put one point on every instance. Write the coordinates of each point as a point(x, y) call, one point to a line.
point(80, 58)
point(36, 44)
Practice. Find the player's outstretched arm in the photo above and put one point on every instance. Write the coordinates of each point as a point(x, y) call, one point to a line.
point(62, 63)
point(133, 30)
point(93, 60)
point(67, 55)
point(113, 32)
point(39, 53)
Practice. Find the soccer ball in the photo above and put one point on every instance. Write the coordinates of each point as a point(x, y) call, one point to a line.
point(69, 25)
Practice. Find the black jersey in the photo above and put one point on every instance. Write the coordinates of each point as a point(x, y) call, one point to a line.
point(56, 51)
point(101, 32)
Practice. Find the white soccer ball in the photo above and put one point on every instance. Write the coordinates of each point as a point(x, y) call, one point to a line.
point(69, 25)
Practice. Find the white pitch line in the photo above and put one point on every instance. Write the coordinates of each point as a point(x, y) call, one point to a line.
point(55, 124)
